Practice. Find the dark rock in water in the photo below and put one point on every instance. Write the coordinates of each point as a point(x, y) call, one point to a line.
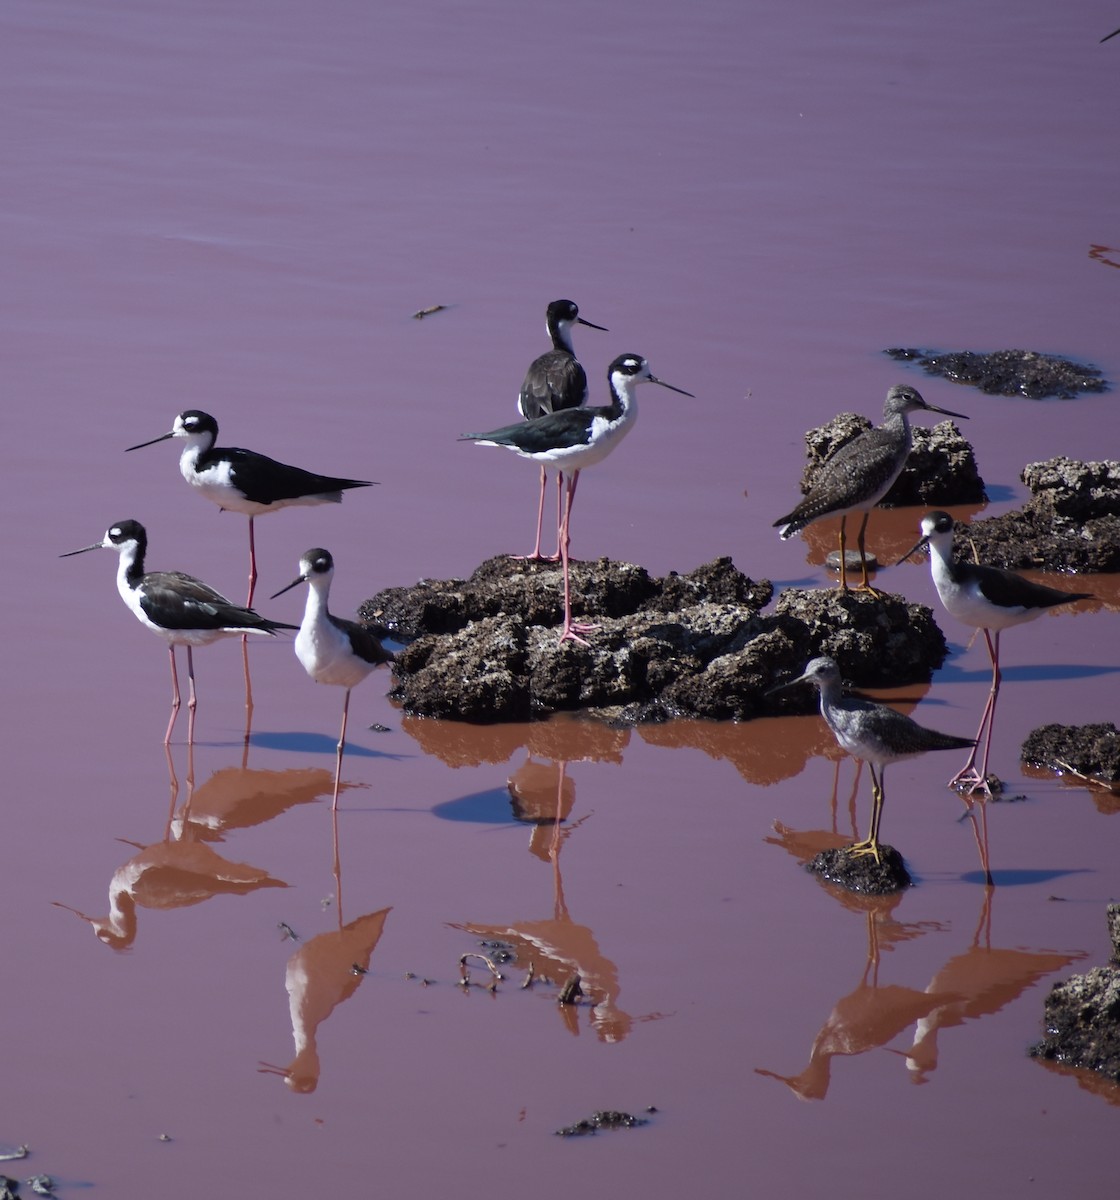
point(1009, 372)
point(602, 1120)
point(941, 468)
point(860, 872)
point(1082, 1016)
point(695, 645)
point(852, 561)
point(1089, 750)
point(1070, 523)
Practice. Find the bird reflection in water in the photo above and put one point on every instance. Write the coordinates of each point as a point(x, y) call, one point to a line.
point(871, 1015)
point(978, 983)
point(320, 975)
point(178, 871)
point(984, 979)
point(558, 949)
point(240, 797)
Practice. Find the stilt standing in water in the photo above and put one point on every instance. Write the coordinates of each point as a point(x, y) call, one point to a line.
point(990, 599)
point(860, 474)
point(331, 649)
point(244, 481)
point(182, 610)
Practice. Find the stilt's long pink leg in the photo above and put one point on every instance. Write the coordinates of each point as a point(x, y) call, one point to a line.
point(252, 565)
point(968, 774)
point(175, 698)
point(192, 703)
point(341, 746)
point(536, 555)
point(571, 630)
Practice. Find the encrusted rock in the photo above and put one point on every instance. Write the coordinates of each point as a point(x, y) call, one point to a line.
point(860, 872)
point(1070, 523)
point(1082, 1016)
point(1009, 372)
point(1092, 751)
point(695, 645)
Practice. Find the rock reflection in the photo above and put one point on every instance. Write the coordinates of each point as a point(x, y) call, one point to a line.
point(178, 871)
point(558, 950)
point(769, 750)
point(1092, 1082)
point(891, 535)
point(562, 737)
point(765, 751)
point(1106, 796)
point(320, 975)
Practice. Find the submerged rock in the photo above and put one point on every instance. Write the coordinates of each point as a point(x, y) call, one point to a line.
point(941, 468)
point(1082, 1016)
point(695, 645)
point(1009, 372)
point(1070, 523)
point(1091, 751)
point(604, 1119)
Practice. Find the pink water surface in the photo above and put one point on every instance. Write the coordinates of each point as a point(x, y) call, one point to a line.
point(237, 207)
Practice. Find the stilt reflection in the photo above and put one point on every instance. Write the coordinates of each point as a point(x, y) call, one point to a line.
point(867, 1017)
point(177, 871)
point(557, 949)
point(984, 979)
point(320, 975)
point(977, 983)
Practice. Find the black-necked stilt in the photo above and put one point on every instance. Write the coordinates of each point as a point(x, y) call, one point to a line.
point(554, 381)
point(987, 598)
point(872, 732)
point(244, 481)
point(182, 610)
point(331, 649)
point(861, 473)
point(572, 440)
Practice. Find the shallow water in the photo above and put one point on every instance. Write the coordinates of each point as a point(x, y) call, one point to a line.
point(237, 207)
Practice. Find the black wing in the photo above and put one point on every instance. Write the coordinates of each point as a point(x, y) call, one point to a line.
point(173, 600)
point(1009, 590)
point(554, 431)
point(364, 644)
point(553, 382)
point(263, 480)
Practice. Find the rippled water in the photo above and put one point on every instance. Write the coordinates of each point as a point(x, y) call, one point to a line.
point(237, 207)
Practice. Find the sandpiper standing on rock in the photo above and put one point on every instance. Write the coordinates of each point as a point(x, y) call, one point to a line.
point(860, 474)
point(872, 732)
